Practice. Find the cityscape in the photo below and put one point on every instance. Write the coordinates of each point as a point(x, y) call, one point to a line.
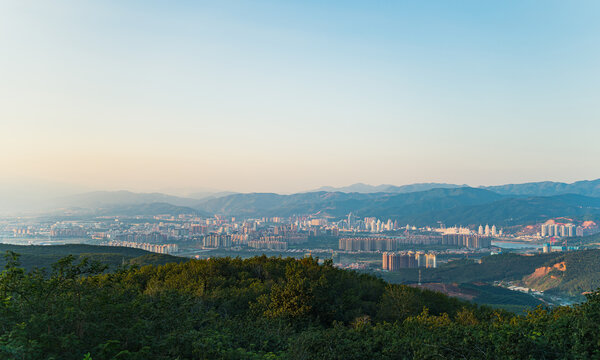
point(299, 180)
point(338, 239)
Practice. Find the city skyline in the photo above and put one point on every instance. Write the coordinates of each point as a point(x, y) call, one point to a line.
point(272, 97)
point(299, 179)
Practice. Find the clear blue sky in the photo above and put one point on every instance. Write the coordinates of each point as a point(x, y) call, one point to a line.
point(291, 95)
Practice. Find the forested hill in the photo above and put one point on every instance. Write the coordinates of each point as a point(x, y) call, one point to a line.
point(338, 204)
point(43, 256)
point(570, 273)
point(549, 188)
point(450, 206)
point(265, 308)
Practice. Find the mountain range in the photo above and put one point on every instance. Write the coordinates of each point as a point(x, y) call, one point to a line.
point(338, 204)
point(449, 206)
point(543, 188)
point(366, 189)
point(418, 204)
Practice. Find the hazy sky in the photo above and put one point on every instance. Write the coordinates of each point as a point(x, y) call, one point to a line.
point(286, 96)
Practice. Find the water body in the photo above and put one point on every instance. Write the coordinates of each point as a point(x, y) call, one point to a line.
point(515, 245)
point(42, 241)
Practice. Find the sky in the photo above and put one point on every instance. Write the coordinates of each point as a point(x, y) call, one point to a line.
point(286, 96)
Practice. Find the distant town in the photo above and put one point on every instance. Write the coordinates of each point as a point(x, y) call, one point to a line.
point(351, 242)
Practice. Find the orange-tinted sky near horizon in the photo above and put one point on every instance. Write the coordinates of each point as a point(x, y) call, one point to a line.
point(285, 97)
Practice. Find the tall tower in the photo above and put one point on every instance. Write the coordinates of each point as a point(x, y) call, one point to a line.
point(544, 230)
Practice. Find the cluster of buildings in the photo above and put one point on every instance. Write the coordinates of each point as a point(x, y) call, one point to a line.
point(488, 231)
point(156, 248)
point(295, 238)
point(268, 244)
point(353, 234)
point(482, 231)
point(67, 232)
point(368, 244)
point(557, 229)
point(548, 248)
point(560, 230)
point(407, 260)
point(393, 243)
point(267, 241)
point(141, 237)
point(215, 241)
point(368, 224)
point(466, 241)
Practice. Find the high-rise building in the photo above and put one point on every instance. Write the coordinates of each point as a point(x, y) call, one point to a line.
point(544, 230)
point(494, 231)
point(385, 265)
point(431, 261)
point(480, 230)
point(570, 230)
point(487, 230)
point(351, 220)
point(563, 231)
point(396, 261)
point(421, 259)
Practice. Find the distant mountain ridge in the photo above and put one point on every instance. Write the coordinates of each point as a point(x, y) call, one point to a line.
point(209, 195)
point(366, 188)
point(338, 204)
point(542, 188)
point(468, 206)
point(97, 199)
point(509, 211)
point(549, 188)
point(450, 204)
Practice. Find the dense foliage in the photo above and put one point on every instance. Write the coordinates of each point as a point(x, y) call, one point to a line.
point(582, 272)
point(265, 308)
point(43, 256)
point(508, 266)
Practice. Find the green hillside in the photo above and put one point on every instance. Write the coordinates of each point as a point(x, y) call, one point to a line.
point(589, 240)
point(486, 295)
point(499, 297)
point(579, 274)
point(266, 308)
point(507, 266)
point(44, 256)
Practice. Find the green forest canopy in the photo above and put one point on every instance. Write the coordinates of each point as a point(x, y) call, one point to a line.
point(265, 308)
